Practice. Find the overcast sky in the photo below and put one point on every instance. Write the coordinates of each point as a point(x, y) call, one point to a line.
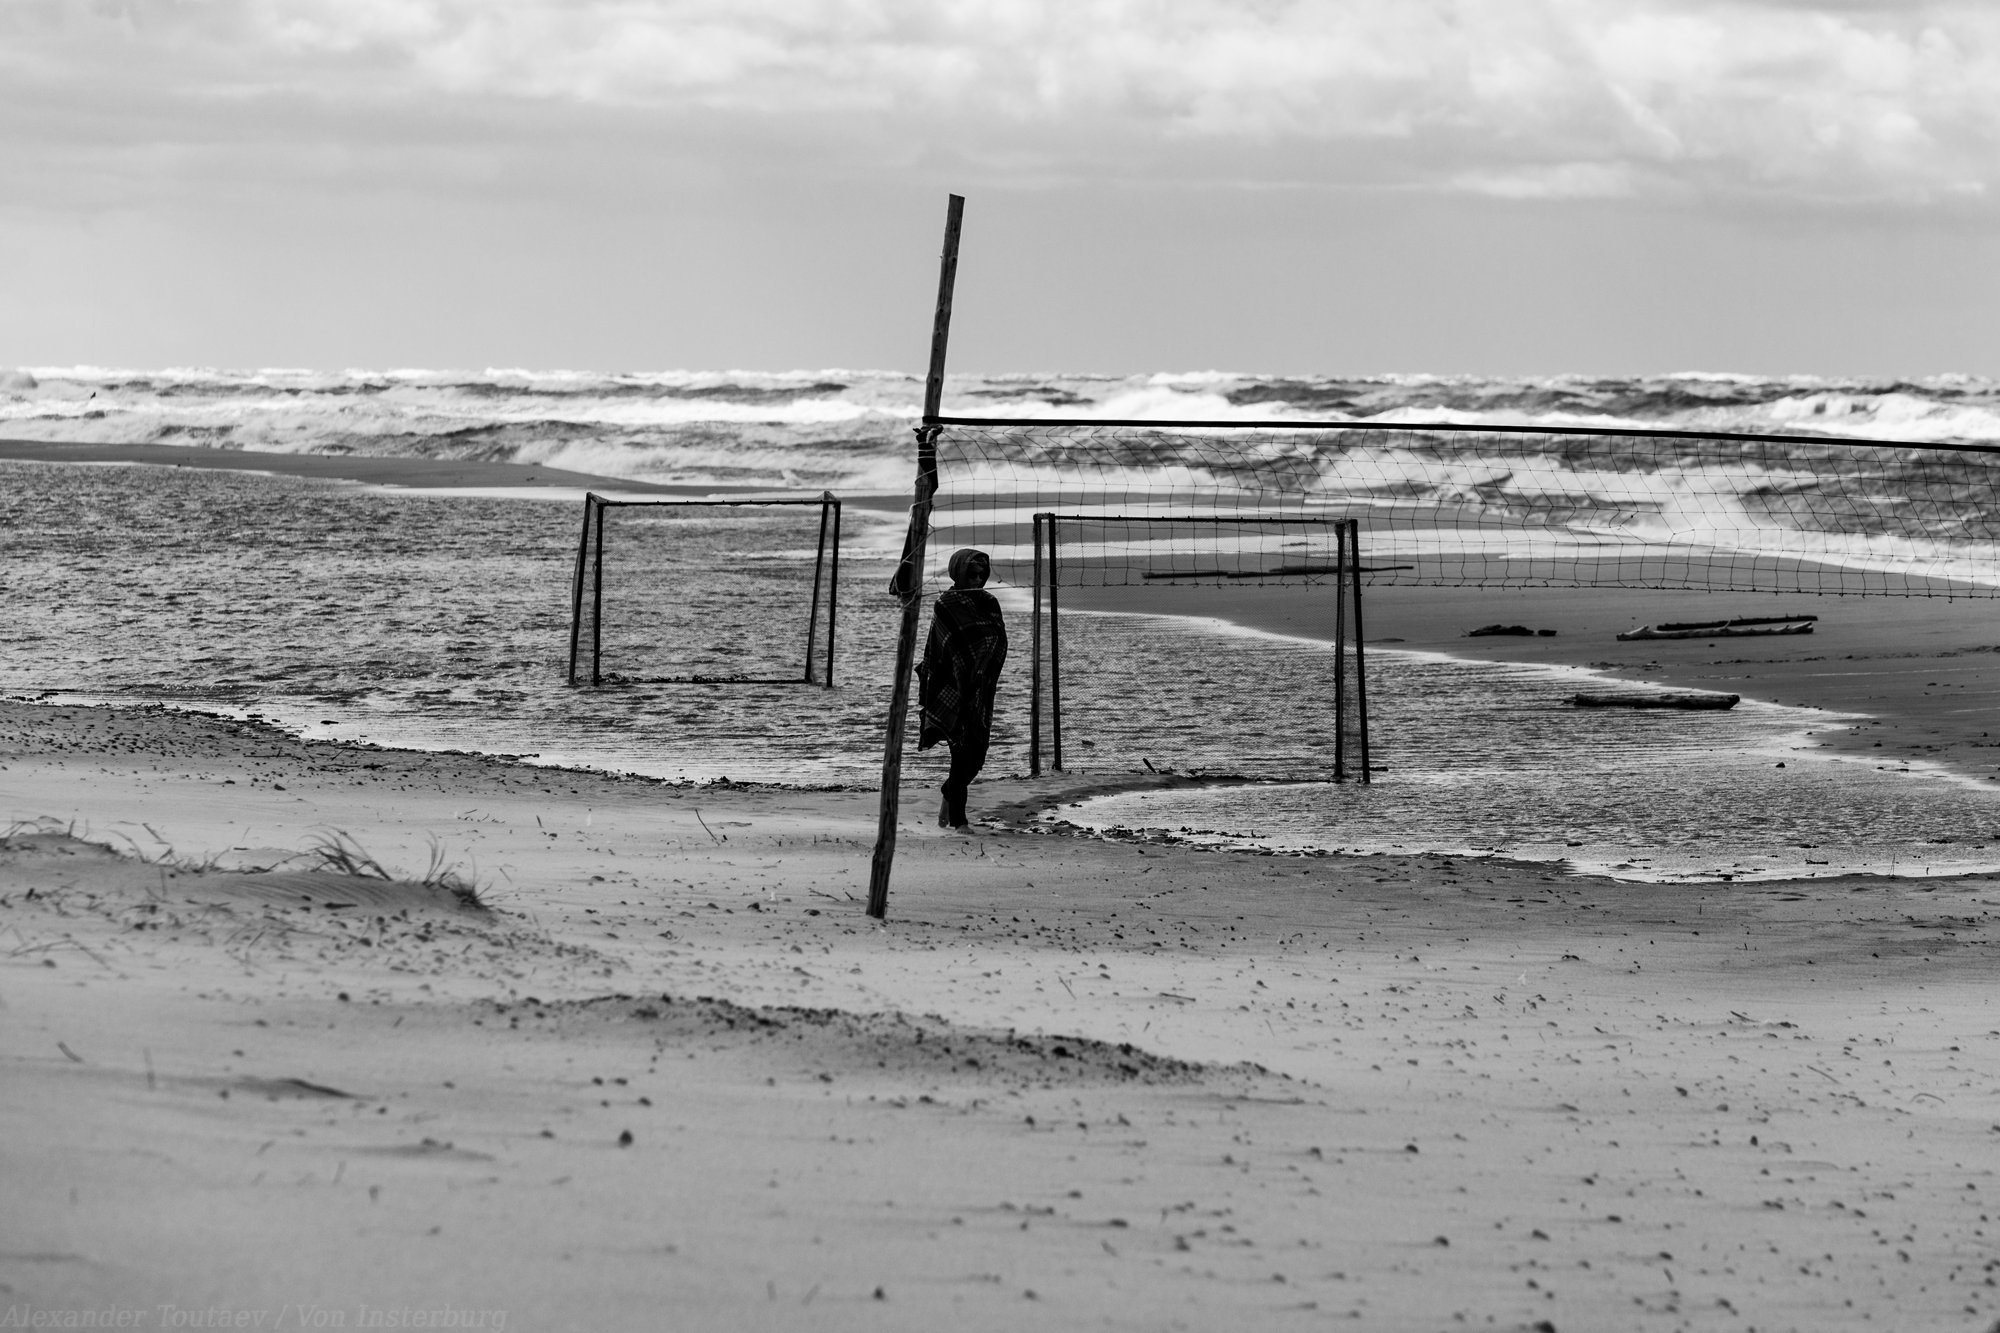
point(1337, 186)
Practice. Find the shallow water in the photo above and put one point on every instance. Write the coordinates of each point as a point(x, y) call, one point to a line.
point(1488, 758)
point(424, 621)
point(435, 621)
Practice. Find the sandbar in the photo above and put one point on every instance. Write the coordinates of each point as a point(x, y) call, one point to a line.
point(368, 469)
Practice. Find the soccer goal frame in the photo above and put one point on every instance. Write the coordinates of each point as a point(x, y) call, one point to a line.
point(587, 590)
point(1350, 744)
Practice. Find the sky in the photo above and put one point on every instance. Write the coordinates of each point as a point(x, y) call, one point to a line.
point(1481, 187)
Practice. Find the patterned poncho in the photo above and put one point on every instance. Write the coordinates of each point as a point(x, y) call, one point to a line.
point(961, 667)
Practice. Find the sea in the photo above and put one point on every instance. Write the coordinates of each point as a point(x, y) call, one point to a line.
point(443, 619)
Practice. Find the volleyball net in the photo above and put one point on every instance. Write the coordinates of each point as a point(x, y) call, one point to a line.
point(1179, 504)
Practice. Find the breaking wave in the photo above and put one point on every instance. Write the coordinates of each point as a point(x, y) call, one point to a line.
point(851, 427)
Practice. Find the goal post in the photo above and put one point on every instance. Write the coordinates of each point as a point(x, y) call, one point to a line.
point(1350, 696)
point(687, 591)
point(1178, 549)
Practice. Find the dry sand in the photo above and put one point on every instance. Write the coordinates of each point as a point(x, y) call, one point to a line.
point(1489, 1096)
point(670, 1076)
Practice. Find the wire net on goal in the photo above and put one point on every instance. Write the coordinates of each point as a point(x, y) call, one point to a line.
point(709, 592)
point(1211, 508)
point(1185, 549)
point(1486, 507)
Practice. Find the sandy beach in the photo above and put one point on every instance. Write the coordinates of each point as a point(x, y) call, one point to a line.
point(660, 1070)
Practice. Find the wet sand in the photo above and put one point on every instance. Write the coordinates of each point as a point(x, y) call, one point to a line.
point(373, 470)
point(1927, 670)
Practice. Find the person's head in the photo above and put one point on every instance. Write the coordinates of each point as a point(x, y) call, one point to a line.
point(969, 568)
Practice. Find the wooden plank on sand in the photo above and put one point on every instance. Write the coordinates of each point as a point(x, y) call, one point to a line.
point(1685, 699)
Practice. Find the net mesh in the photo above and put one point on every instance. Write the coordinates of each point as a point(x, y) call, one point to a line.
point(705, 592)
point(1195, 550)
point(1474, 507)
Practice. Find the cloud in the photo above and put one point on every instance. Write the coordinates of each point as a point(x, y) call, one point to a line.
point(1531, 98)
point(1562, 180)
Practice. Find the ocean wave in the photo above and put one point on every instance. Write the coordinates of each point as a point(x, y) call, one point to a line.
point(841, 427)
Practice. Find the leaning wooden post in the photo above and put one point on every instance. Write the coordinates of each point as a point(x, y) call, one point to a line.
point(909, 579)
point(908, 582)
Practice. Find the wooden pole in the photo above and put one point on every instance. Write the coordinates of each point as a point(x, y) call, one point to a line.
point(954, 214)
point(576, 591)
point(912, 587)
point(909, 579)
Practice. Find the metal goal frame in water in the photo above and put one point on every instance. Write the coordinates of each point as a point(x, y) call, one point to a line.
point(586, 649)
point(1350, 695)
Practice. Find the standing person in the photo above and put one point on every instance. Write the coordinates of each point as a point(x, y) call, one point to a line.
point(959, 673)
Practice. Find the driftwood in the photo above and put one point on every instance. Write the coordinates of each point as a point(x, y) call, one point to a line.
point(1687, 699)
point(1509, 631)
point(1724, 629)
